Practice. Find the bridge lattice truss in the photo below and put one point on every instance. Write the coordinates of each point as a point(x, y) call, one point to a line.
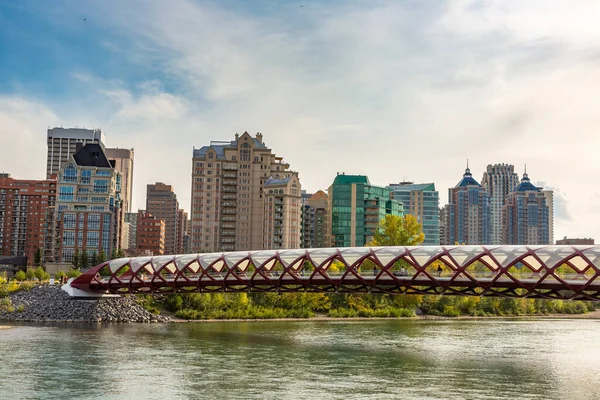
point(550, 272)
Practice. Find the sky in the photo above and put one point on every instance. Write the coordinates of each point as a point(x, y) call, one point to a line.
point(395, 90)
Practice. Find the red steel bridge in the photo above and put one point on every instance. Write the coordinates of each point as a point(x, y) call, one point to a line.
point(548, 272)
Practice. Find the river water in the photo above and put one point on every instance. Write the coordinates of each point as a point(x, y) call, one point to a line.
point(416, 359)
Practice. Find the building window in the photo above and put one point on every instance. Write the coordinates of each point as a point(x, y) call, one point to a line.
point(93, 239)
point(68, 238)
point(70, 174)
point(65, 193)
point(69, 220)
point(94, 221)
point(101, 186)
point(85, 176)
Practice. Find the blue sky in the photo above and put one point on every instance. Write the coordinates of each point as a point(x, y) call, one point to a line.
point(392, 89)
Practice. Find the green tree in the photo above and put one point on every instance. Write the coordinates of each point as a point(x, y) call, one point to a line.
point(30, 274)
point(120, 253)
point(94, 259)
point(113, 255)
point(398, 231)
point(76, 259)
point(101, 257)
point(84, 262)
point(20, 276)
point(37, 257)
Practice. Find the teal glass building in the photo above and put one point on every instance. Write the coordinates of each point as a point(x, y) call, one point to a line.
point(421, 201)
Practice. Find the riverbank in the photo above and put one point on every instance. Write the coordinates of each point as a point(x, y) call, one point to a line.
point(51, 304)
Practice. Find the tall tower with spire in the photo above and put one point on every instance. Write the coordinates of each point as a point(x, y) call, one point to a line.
point(468, 212)
point(526, 215)
point(498, 180)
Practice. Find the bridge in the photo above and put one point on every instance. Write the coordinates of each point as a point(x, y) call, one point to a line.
point(546, 272)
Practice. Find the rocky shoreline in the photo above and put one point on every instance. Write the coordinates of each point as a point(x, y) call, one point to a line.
point(51, 304)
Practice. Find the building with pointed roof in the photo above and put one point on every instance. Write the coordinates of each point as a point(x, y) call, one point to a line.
point(468, 213)
point(526, 215)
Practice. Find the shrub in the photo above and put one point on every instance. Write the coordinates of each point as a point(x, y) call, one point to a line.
point(450, 311)
point(27, 286)
point(30, 274)
point(20, 276)
point(60, 275)
point(73, 273)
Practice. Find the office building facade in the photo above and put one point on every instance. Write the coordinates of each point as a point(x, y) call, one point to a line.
point(421, 201)
point(355, 209)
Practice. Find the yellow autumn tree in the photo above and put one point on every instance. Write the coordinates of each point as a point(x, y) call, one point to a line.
point(398, 231)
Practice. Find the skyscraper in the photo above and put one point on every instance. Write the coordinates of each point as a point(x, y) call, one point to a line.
point(468, 213)
point(421, 201)
point(499, 180)
point(62, 143)
point(228, 194)
point(314, 221)
point(26, 217)
point(124, 164)
point(355, 208)
point(88, 213)
point(526, 215)
point(161, 202)
point(150, 234)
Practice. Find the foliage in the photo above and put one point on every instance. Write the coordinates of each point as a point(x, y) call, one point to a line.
point(30, 274)
point(94, 259)
point(20, 276)
point(41, 274)
point(149, 303)
point(7, 305)
point(76, 259)
point(120, 253)
point(37, 257)
point(84, 261)
point(101, 257)
point(60, 275)
point(398, 231)
point(113, 254)
point(73, 273)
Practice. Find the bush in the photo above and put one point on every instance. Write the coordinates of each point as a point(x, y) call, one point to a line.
point(450, 311)
point(30, 274)
point(20, 276)
point(60, 275)
point(73, 273)
point(27, 285)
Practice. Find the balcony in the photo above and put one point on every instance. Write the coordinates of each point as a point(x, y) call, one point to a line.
point(279, 202)
point(228, 204)
point(228, 226)
point(228, 232)
point(230, 167)
point(229, 197)
point(229, 182)
point(225, 218)
point(229, 175)
point(227, 248)
point(230, 189)
point(227, 240)
point(278, 216)
point(229, 211)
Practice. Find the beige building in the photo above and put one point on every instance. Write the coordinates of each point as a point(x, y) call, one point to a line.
point(123, 159)
point(282, 213)
point(228, 201)
point(162, 203)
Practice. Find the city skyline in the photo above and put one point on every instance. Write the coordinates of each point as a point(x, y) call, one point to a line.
point(478, 98)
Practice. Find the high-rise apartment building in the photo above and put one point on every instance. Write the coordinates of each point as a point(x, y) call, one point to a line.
point(124, 164)
point(526, 215)
point(468, 213)
point(182, 219)
point(444, 235)
point(62, 143)
point(26, 217)
point(150, 234)
point(228, 194)
point(549, 194)
point(88, 213)
point(131, 219)
point(355, 208)
point(161, 202)
point(422, 201)
point(314, 221)
point(498, 180)
point(282, 213)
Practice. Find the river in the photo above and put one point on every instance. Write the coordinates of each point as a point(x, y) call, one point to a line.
point(402, 359)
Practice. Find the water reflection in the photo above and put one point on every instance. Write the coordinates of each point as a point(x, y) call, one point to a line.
point(501, 359)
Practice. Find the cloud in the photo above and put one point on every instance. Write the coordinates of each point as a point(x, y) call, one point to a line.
point(377, 88)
